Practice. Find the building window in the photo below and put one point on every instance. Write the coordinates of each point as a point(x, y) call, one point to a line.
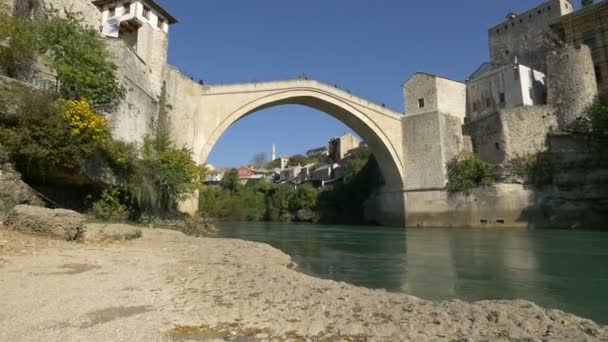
point(548, 8)
point(160, 23)
point(497, 145)
point(502, 98)
point(474, 106)
point(146, 12)
point(488, 102)
point(589, 40)
point(506, 52)
point(127, 7)
point(521, 20)
point(420, 103)
point(539, 12)
point(111, 11)
point(598, 74)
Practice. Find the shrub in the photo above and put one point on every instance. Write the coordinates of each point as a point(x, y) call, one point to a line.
point(84, 120)
point(109, 207)
point(305, 197)
point(83, 64)
point(598, 115)
point(533, 169)
point(467, 171)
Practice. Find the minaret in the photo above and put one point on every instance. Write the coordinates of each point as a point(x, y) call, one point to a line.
point(274, 153)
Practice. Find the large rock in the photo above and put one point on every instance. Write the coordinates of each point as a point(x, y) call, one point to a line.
point(56, 223)
point(13, 191)
point(111, 232)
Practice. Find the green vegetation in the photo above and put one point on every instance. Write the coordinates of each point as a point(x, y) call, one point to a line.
point(110, 207)
point(467, 171)
point(533, 169)
point(598, 116)
point(58, 138)
point(76, 53)
point(256, 201)
point(300, 159)
point(260, 200)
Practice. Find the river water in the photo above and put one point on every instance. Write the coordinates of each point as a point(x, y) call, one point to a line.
point(560, 269)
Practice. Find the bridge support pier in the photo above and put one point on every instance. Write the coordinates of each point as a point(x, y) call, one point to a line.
point(387, 208)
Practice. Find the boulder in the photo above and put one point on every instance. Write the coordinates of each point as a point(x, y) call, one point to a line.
point(13, 191)
point(111, 232)
point(55, 223)
point(305, 215)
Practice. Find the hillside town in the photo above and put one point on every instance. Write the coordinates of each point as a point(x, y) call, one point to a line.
point(320, 167)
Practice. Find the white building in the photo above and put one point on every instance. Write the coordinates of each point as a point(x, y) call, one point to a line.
point(508, 86)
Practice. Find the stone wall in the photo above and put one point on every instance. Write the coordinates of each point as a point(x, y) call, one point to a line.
point(502, 205)
point(526, 129)
point(420, 86)
point(90, 13)
point(525, 35)
point(571, 83)
point(437, 94)
point(431, 140)
point(183, 98)
point(137, 114)
point(511, 133)
point(152, 45)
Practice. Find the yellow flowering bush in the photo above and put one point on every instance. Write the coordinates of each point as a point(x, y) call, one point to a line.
point(83, 119)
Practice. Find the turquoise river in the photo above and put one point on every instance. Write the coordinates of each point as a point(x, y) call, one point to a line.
point(560, 269)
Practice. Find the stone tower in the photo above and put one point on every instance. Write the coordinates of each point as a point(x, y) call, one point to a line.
point(571, 83)
point(432, 129)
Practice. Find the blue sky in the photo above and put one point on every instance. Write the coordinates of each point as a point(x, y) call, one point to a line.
point(367, 47)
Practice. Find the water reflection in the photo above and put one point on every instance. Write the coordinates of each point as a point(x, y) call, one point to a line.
point(558, 269)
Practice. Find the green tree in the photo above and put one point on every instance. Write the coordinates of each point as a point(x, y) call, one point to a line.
point(467, 171)
point(355, 162)
point(300, 159)
point(20, 44)
point(305, 197)
point(230, 180)
point(83, 64)
point(598, 115)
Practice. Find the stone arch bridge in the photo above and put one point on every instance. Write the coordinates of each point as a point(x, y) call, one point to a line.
point(199, 115)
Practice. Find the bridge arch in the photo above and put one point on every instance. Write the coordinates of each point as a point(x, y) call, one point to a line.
point(379, 127)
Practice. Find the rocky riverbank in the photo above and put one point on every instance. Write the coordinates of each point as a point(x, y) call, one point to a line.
point(169, 287)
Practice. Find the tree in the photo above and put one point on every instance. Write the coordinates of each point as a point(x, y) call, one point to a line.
point(586, 3)
point(300, 159)
point(355, 162)
point(83, 64)
point(598, 116)
point(467, 171)
point(259, 160)
point(19, 45)
point(230, 180)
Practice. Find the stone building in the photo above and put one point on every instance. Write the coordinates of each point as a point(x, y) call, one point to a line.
point(508, 86)
point(527, 36)
point(588, 26)
point(434, 114)
point(319, 153)
point(340, 146)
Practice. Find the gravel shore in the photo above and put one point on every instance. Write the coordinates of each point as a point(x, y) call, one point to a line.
point(169, 287)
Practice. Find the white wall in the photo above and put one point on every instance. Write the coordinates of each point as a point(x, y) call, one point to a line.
point(520, 86)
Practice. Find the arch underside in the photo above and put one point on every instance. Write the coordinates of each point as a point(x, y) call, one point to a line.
point(379, 143)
